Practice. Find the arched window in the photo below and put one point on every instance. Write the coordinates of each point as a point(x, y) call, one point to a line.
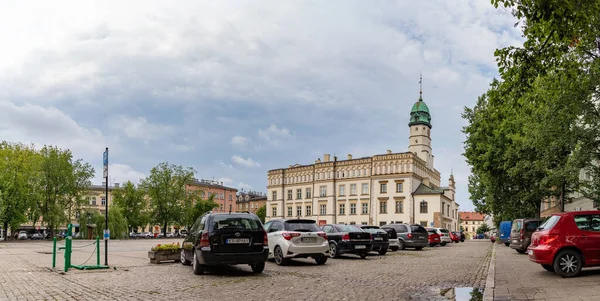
point(423, 206)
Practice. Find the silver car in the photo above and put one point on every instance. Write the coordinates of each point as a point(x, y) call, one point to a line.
point(410, 236)
point(444, 235)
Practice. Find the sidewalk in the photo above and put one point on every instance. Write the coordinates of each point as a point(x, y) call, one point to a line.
point(517, 278)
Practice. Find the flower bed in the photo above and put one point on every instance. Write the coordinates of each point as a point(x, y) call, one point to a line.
point(165, 252)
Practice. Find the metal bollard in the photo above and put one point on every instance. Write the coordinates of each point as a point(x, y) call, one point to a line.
point(54, 252)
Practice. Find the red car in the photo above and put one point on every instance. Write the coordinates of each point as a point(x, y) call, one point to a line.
point(455, 238)
point(434, 238)
point(567, 242)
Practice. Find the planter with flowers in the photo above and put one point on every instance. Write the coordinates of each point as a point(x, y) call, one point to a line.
point(164, 252)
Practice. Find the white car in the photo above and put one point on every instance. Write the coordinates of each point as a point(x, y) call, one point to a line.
point(22, 235)
point(296, 238)
point(444, 235)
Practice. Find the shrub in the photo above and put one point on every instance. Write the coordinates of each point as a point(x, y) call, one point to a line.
point(173, 247)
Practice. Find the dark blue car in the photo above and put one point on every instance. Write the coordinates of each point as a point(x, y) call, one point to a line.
point(505, 232)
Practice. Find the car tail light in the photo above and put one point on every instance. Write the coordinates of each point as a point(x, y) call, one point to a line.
point(290, 235)
point(204, 240)
point(409, 235)
point(346, 237)
point(547, 239)
point(322, 234)
point(265, 238)
point(522, 233)
point(371, 236)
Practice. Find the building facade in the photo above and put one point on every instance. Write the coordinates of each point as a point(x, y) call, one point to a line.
point(470, 221)
point(392, 187)
point(578, 202)
point(250, 201)
point(224, 196)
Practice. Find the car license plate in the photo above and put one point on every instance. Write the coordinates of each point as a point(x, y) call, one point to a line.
point(308, 239)
point(378, 238)
point(360, 247)
point(238, 241)
point(530, 252)
point(515, 241)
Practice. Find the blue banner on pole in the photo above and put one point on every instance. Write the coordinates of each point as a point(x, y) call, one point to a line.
point(105, 158)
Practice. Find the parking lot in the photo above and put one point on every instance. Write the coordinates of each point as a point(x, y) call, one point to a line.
point(402, 275)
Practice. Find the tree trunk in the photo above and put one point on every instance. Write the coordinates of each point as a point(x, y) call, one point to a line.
point(5, 227)
point(165, 230)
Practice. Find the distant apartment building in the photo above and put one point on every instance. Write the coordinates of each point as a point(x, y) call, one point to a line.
point(224, 196)
point(470, 221)
point(250, 201)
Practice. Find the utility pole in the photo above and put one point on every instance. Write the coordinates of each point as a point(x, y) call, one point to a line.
point(106, 231)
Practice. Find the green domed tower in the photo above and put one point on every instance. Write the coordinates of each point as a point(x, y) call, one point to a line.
point(420, 113)
point(420, 130)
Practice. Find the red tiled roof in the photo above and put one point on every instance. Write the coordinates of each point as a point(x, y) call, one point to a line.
point(470, 216)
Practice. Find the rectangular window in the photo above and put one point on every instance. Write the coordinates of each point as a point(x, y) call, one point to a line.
point(202, 195)
point(289, 211)
point(363, 223)
point(289, 196)
point(93, 201)
point(383, 207)
point(103, 201)
point(298, 210)
point(383, 188)
point(365, 208)
point(423, 223)
point(323, 191)
point(230, 197)
point(442, 208)
point(423, 207)
point(274, 212)
point(308, 193)
point(365, 188)
point(222, 196)
point(342, 189)
point(323, 209)
point(352, 223)
point(298, 194)
point(399, 206)
point(352, 189)
point(382, 223)
point(398, 187)
point(352, 208)
point(274, 193)
point(308, 210)
point(342, 209)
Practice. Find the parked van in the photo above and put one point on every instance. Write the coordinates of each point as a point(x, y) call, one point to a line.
point(520, 233)
point(504, 234)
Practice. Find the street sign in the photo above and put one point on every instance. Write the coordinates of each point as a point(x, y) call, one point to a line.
point(431, 224)
point(105, 158)
point(107, 234)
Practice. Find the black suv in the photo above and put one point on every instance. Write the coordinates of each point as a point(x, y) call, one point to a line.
point(226, 238)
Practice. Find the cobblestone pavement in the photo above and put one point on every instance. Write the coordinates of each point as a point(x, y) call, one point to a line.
point(402, 275)
point(517, 278)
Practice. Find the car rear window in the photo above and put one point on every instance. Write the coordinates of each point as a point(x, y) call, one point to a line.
point(432, 231)
point(516, 226)
point(418, 229)
point(444, 230)
point(348, 228)
point(235, 222)
point(549, 224)
point(301, 226)
point(373, 230)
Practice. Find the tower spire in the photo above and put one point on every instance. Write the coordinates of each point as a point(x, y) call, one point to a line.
point(421, 87)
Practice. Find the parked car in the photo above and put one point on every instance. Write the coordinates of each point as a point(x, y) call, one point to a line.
point(444, 235)
point(567, 242)
point(504, 235)
point(226, 238)
point(410, 236)
point(347, 239)
point(462, 237)
point(392, 239)
point(37, 236)
point(22, 235)
point(296, 238)
point(493, 237)
point(520, 233)
point(379, 238)
point(434, 237)
point(454, 236)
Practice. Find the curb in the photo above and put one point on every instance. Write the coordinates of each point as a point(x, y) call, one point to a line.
point(488, 293)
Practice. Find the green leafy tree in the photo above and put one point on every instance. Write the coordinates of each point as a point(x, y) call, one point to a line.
point(262, 213)
point(117, 223)
point(195, 206)
point(132, 202)
point(19, 173)
point(166, 189)
point(483, 228)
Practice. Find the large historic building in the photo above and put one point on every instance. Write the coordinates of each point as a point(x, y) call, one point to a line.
point(470, 221)
point(382, 189)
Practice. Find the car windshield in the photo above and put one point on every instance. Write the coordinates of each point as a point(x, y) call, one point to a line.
point(301, 226)
point(417, 229)
point(235, 222)
point(348, 228)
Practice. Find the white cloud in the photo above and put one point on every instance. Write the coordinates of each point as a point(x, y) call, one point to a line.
point(244, 186)
point(121, 173)
point(239, 141)
point(139, 128)
point(245, 162)
point(226, 181)
point(274, 135)
point(223, 164)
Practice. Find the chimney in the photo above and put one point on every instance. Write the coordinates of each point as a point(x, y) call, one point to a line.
point(326, 157)
point(318, 160)
point(349, 156)
point(389, 152)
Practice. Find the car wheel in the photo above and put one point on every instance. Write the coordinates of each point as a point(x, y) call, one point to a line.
point(548, 267)
point(521, 251)
point(198, 268)
point(432, 245)
point(279, 259)
point(401, 245)
point(333, 251)
point(507, 244)
point(182, 258)
point(443, 244)
point(320, 260)
point(419, 248)
point(568, 263)
point(258, 267)
point(382, 251)
point(363, 255)
point(394, 249)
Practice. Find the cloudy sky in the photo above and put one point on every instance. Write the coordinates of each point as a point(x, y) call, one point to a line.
point(235, 88)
